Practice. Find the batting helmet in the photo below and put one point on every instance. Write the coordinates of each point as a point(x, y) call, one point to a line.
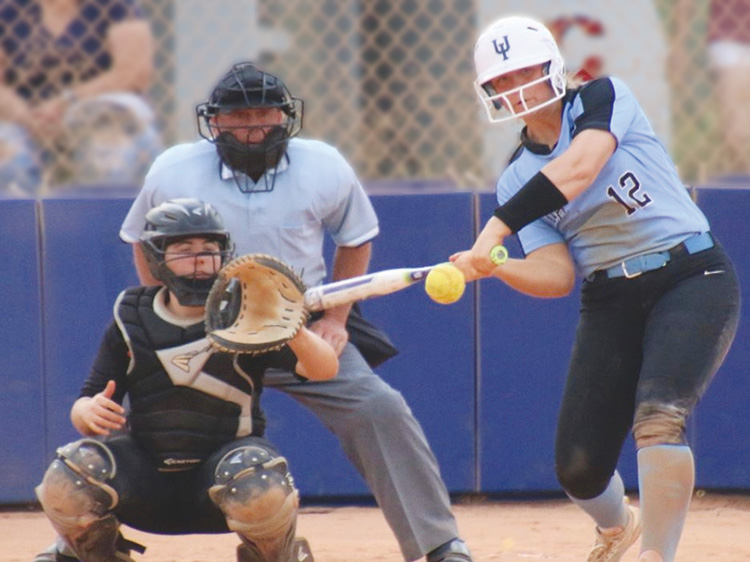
point(176, 220)
point(508, 45)
point(247, 87)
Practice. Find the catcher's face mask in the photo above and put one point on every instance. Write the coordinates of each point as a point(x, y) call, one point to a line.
point(197, 231)
point(189, 267)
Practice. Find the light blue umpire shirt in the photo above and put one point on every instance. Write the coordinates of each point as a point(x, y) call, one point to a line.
point(315, 191)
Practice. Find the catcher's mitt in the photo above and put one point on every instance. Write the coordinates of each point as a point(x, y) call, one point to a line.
point(255, 305)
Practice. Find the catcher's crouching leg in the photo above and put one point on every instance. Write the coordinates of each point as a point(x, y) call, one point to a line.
point(78, 501)
point(256, 493)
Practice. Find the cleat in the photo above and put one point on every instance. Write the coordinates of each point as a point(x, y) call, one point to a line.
point(611, 548)
point(244, 554)
point(53, 554)
point(301, 551)
point(452, 551)
point(59, 552)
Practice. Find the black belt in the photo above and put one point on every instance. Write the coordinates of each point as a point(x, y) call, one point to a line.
point(649, 262)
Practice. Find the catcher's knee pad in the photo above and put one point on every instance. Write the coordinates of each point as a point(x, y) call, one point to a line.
point(76, 497)
point(256, 493)
point(74, 491)
point(659, 424)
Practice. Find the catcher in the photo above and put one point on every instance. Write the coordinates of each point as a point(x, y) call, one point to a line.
point(190, 456)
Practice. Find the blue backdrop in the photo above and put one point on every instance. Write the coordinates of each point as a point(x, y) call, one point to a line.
point(483, 376)
point(23, 418)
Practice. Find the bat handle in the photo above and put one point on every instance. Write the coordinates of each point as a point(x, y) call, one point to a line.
point(498, 255)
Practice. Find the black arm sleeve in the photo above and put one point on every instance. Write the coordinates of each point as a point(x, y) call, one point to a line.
point(111, 363)
point(537, 198)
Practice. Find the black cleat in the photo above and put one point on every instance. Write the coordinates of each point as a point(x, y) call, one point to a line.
point(53, 554)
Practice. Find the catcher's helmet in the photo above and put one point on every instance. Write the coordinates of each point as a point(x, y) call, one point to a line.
point(176, 220)
point(247, 87)
point(508, 45)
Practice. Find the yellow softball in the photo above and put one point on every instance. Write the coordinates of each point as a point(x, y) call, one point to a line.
point(445, 283)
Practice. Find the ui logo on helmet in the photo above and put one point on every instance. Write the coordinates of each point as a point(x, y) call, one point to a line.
point(508, 45)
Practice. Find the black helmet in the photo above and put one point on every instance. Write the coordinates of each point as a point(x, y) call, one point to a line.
point(245, 87)
point(171, 222)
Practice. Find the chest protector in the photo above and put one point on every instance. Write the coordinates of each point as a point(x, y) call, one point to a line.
point(186, 398)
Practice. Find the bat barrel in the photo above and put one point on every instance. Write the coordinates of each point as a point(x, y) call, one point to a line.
point(365, 286)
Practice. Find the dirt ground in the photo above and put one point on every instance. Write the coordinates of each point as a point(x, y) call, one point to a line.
point(717, 529)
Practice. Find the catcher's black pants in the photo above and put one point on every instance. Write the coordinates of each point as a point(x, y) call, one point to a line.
point(657, 338)
point(168, 502)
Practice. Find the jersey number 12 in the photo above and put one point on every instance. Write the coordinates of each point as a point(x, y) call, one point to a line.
point(628, 195)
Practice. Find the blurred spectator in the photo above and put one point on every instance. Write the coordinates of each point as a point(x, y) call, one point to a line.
point(584, 58)
point(73, 74)
point(729, 54)
point(727, 41)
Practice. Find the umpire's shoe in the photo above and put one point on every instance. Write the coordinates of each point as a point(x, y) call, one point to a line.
point(452, 551)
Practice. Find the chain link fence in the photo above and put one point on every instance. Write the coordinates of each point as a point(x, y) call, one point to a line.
point(389, 82)
point(709, 75)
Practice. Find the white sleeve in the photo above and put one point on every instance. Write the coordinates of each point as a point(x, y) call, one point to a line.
point(132, 226)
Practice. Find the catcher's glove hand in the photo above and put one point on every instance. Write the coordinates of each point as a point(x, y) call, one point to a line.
point(255, 305)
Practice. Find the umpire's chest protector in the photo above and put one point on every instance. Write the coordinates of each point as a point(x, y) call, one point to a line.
point(186, 400)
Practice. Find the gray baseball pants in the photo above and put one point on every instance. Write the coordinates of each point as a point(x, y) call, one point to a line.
point(387, 446)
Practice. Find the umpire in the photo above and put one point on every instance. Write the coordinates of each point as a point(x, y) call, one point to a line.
point(281, 195)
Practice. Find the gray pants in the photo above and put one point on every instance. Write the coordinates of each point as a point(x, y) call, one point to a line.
point(387, 446)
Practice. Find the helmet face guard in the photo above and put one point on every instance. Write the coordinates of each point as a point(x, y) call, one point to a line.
point(177, 220)
point(252, 159)
point(247, 87)
point(508, 45)
point(191, 289)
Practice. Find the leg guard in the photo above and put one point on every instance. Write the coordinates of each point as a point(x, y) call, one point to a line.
point(78, 501)
point(256, 493)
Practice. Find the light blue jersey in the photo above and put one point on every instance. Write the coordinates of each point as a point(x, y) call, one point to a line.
point(636, 205)
point(315, 191)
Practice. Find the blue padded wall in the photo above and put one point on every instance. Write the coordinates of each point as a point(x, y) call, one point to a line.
point(721, 421)
point(483, 376)
point(22, 414)
point(525, 347)
point(435, 368)
point(85, 267)
point(89, 266)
